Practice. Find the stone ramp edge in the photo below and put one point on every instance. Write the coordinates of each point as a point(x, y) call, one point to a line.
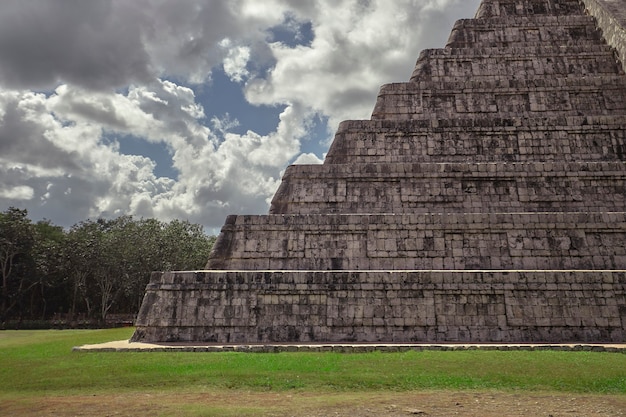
point(127, 346)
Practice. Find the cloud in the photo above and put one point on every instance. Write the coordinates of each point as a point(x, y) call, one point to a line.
point(25, 138)
point(358, 46)
point(307, 159)
point(21, 192)
point(78, 78)
point(237, 175)
point(59, 154)
point(83, 164)
point(236, 61)
point(109, 44)
point(91, 44)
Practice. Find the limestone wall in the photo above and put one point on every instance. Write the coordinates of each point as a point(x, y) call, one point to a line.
point(611, 17)
point(566, 138)
point(513, 62)
point(504, 98)
point(447, 187)
point(502, 8)
point(400, 306)
point(422, 242)
point(557, 30)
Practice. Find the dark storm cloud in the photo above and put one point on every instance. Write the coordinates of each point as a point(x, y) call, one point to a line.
point(104, 44)
point(44, 42)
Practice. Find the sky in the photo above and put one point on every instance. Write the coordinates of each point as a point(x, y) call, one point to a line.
point(189, 109)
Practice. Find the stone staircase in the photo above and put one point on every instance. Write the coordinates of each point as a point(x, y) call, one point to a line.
point(483, 202)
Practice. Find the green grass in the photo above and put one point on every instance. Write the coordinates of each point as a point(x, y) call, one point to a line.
point(34, 363)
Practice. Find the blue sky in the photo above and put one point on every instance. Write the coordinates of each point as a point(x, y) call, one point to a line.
point(189, 109)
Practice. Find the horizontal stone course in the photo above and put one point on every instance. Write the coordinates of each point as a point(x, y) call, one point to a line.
point(494, 122)
point(495, 8)
point(599, 95)
point(382, 306)
point(522, 52)
point(451, 187)
point(599, 138)
point(443, 66)
point(423, 241)
point(520, 31)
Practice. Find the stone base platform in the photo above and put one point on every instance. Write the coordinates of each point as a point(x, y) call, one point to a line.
point(356, 307)
point(127, 346)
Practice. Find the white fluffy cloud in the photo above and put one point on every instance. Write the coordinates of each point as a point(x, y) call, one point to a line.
point(236, 60)
point(358, 46)
point(77, 79)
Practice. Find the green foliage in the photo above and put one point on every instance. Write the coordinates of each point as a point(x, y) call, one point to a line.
point(16, 244)
point(95, 268)
point(38, 362)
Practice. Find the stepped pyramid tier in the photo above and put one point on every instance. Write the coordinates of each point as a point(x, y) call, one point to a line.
point(484, 201)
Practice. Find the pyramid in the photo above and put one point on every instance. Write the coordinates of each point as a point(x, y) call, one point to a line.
point(484, 201)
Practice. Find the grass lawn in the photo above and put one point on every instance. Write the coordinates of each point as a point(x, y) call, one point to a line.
point(39, 373)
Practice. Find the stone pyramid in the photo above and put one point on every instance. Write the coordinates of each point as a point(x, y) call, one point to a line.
point(485, 201)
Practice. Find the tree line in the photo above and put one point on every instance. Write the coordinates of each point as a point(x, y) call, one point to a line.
point(95, 269)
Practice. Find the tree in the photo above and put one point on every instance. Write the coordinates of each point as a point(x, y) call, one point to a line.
point(185, 246)
point(143, 255)
point(16, 241)
point(147, 245)
point(81, 255)
point(121, 263)
point(94, 269)
point(49, 270)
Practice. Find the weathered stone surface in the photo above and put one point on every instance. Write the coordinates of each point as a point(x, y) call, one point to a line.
point(513, 139)
point(521, 31)
point(499, 8)
point(485, 201)
point(514, 62)
point(604, 95)
point(383, 306)
point(423, 241)
point(452, 187)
